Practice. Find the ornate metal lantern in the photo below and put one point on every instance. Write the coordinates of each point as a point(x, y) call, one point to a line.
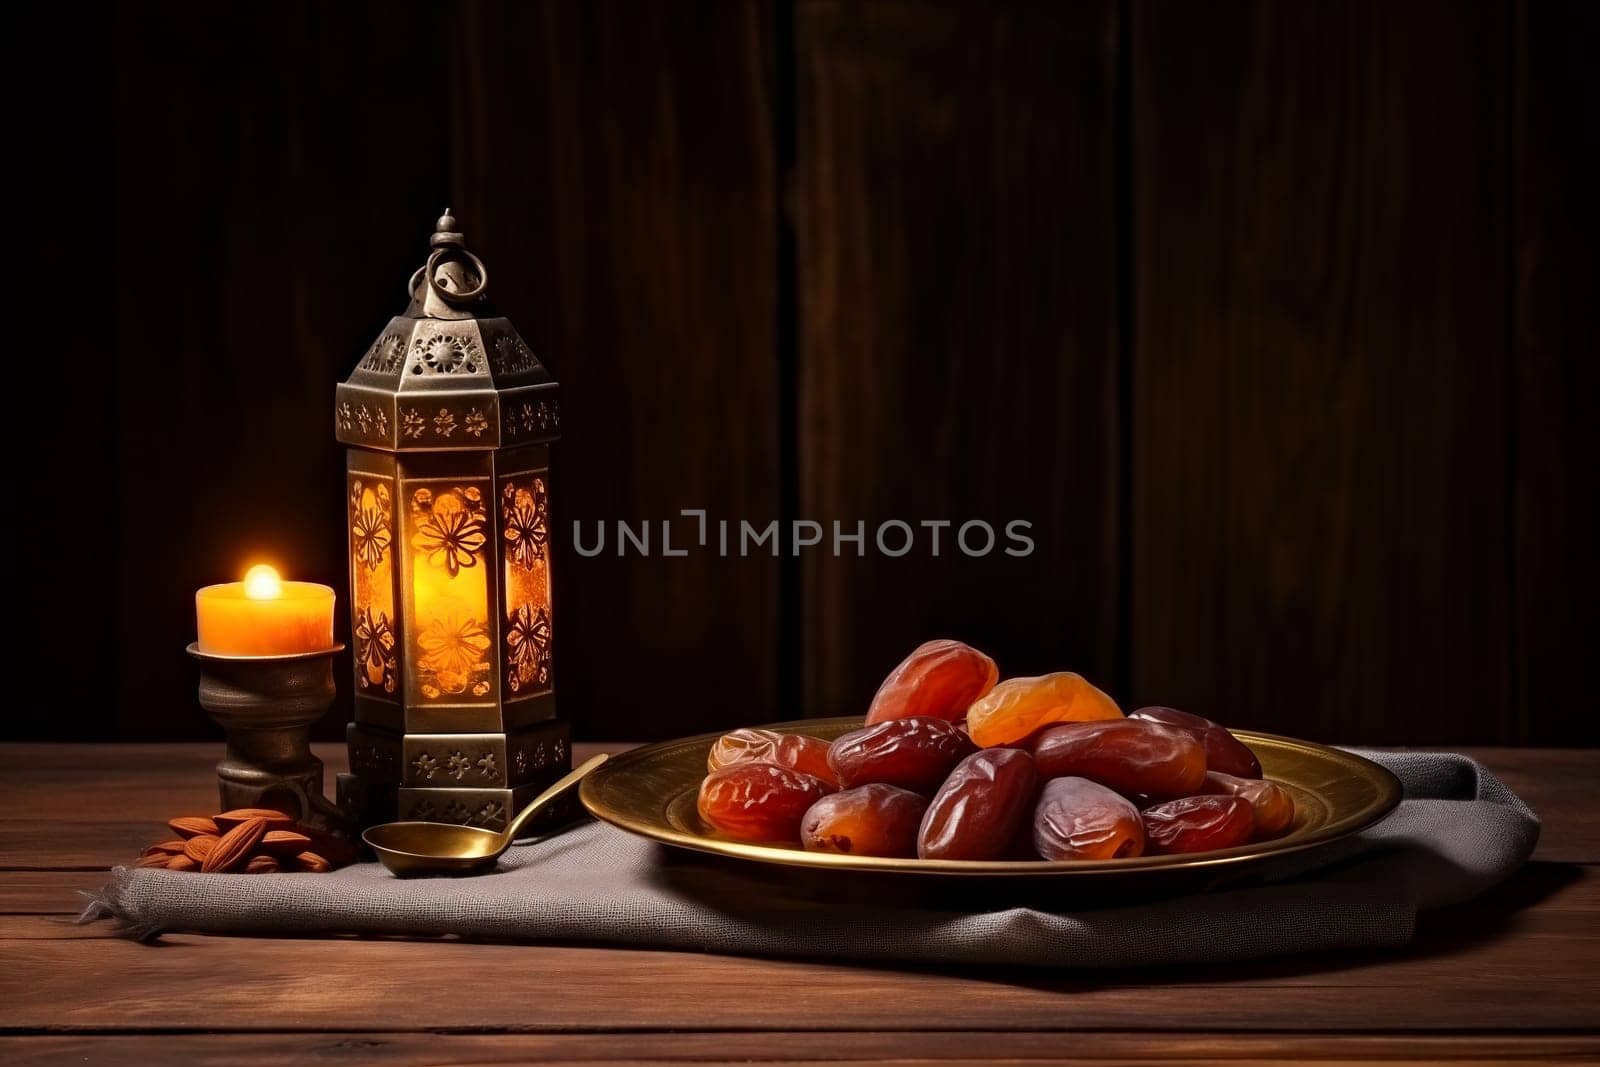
point(449, 420)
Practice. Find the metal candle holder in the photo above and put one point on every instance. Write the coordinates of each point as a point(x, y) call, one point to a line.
point(266, 706)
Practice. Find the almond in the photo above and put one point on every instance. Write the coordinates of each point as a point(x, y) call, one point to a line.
point(182, 863)
point(284, 842)
point(171, 848)
point(262, 864)
point(198, 848)
point(153, 859)
point(311, 861)
point(235, 846)
point(192, 825)
point(229, 819)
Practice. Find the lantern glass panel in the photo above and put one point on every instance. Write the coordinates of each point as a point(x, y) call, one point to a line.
point(447, 538)
point(529, 626)
point(377, 652)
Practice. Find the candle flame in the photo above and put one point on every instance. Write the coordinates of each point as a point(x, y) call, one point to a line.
point(261, 583)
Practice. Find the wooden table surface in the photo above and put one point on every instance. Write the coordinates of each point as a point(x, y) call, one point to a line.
point(1513, 976)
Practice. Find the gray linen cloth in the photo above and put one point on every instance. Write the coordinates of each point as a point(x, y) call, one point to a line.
point(1458, 832)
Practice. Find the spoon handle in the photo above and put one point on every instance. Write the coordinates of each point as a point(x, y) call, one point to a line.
point(540, 801)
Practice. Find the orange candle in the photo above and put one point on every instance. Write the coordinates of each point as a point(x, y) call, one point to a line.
point(264, 616)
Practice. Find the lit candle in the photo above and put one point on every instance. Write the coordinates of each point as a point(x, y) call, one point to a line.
point(264, 616)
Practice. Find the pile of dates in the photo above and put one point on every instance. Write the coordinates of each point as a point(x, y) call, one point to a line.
point(954, 764)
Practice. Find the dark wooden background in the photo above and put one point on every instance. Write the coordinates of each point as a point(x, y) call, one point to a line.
point(1275, 319)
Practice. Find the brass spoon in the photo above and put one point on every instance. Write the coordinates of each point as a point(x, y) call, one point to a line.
point(417, 848)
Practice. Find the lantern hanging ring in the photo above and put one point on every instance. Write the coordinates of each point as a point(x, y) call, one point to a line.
point(430, 272)
point(450, 246)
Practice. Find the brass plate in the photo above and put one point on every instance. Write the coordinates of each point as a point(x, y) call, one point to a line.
point(651, 791)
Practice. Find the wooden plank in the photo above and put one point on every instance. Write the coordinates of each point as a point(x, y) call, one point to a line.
point(45, 892)
point(952, 1049)
point(103, 803)
point(275, 184)
point(957, 307)
point(1549, 954)
point(1320, 542)
point(615, 163)
point(142, 786)
point(1557, 580)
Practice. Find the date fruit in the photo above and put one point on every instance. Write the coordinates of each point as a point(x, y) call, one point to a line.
point(758, 801)
point(1129, 755)
point(979, 810)
point(808, 755)
point(1077, 819)
point(1224, 752)
point(869, 820)
point(1271, 804)
point(1198, 824)
point(1017, 707)
point(914, 754)
point(939, 680)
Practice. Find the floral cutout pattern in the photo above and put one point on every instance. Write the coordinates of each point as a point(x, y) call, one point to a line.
point(482, 764)
point(490, 815)
point(445, 354)
point(370, 530)
point(529, 418)
point(449, 535)
point(453, 656)
point(525, 517)
point(386, 354)
point(511, 356)
point(376, 662)
point(450, 530)
point(442, 424)
point(458, 810)
point(361, 419)
point(371, 761)
point(528, 648)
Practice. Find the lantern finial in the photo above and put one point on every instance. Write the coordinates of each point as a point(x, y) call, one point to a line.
point(447, 234)
point(446, 231)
